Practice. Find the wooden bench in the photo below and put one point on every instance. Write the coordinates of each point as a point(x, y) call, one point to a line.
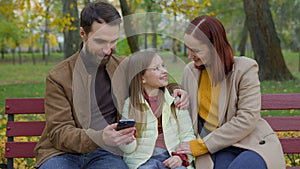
point(36, 106)
point(17, 106)
point(284, 123)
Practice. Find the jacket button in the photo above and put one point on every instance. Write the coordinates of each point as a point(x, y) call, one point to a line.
point(262, 142)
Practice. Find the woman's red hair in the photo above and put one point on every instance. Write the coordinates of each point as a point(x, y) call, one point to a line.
point(213, 31)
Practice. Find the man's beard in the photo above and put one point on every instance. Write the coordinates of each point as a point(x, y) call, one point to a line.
point(93, 59)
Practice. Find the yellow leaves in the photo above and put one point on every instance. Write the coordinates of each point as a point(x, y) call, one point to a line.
point(297, 161)
point(64, 23)
point(71, 5)
point(213, 13)
point(24, 163)
point(290, 134)
point(189, 8)
point(290, 159)
point(207, 2)
point(3, 139)
point(53, 40)
point(38, 8)
point(6, 10)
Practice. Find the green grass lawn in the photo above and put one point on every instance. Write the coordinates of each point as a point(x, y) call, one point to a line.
point(292, 61)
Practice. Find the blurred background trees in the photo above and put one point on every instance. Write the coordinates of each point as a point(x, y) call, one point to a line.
point(257, 29)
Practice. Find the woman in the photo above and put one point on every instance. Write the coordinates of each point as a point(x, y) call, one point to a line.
point(225, 104)
point(160, 127)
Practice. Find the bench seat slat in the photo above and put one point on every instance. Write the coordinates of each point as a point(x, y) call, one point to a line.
point(24, 128)
point(290, 145)
point(293, 167)
point(19, 149)
point(284, 123)
point(24, 106)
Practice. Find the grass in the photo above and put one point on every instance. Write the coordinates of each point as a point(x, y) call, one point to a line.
point(26, 80)
point(292, 60)
point(27, 73)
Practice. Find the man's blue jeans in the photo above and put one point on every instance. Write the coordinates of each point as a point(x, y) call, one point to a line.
point(237, 158)
point(98, 159)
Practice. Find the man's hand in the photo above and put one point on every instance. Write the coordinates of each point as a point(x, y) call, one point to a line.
point(184, 102)
point(172, 162)
point(184, 148)
point(111, 137)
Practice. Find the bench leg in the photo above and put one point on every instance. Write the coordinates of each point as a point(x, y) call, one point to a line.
point(10, 163)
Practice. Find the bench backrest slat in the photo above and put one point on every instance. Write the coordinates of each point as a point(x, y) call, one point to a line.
point(19, 149)
point(280, 101)
point(24, 106)
point(284, 123)
point(24, 128)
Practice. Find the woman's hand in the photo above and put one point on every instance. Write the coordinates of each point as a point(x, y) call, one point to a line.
point(172, 162)
point(184, 101)
point(184, 148)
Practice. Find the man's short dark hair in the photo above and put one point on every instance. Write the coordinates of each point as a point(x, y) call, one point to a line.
point(100, 12)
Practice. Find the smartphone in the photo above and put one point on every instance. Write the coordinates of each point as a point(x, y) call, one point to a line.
point(123, 124)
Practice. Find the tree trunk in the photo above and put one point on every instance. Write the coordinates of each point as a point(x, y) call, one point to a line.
point(71, 37)
point(48, 52)
point(174, 43)
point(299, 63)
point(153, 30)
point(242, 46)
point(13, 51)
point(145, 40)
point(265, 42)
point(86, 2)
point(46, 32)
point(153, 25)
point(2, 49)
point(32, 56)
point(175, 49)
point(131, 40)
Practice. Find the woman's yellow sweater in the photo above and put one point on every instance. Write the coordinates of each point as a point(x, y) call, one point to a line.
point(208, 98)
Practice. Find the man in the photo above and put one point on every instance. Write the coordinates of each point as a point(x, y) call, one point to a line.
point(80, 111)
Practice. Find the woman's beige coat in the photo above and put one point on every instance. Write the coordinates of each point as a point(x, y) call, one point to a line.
point(239, 115)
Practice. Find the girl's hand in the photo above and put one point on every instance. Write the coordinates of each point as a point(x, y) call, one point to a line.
point(172, 162)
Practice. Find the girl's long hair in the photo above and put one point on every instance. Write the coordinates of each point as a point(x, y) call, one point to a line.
point(137, 66)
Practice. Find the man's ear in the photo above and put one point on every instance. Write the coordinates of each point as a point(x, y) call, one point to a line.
point(83, 35)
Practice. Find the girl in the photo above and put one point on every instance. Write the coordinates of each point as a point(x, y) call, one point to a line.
point(160, 127)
